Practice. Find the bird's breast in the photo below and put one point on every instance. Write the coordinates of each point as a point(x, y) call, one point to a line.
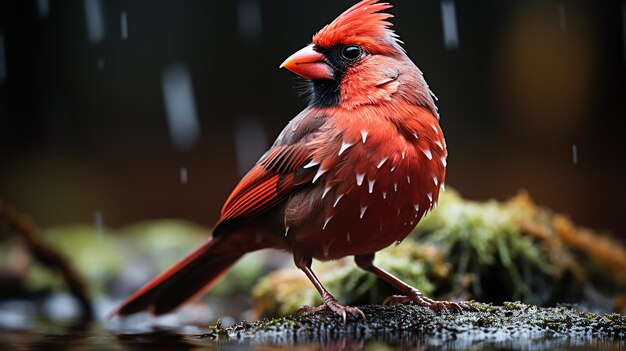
point(373, 184)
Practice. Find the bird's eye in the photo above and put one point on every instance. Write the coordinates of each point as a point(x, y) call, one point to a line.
point(351, 52)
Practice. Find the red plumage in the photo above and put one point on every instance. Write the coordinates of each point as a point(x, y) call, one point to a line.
point(351, 174)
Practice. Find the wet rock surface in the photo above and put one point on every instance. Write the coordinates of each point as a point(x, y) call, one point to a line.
point(513, 325)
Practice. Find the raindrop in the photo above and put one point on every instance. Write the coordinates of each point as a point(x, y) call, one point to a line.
point(3, 65)
point(326, 222)
point(450, 30)
point(363, 209)
point(624, 26)
point(124, 25)
point(371, 185)
point(311, 163)
point(359, 178)
point(428, 154)
point(98, 221)
point(95, 20)
point(43, 8)
point(180, 106)
point(250, 21)
point(337, 199)
point(575, 154)
point(343, 147)
point(250, 142)
point(326, 190)
point(319, 173)
point(183, 175)
point(382, 162)
point(562, 20)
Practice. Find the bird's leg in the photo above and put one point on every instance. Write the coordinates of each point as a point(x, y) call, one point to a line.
point(366, 262)
point(329, 300)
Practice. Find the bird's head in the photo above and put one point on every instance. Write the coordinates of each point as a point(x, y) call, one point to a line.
point(355, 60)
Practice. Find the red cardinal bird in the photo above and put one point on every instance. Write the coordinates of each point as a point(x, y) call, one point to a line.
point(350, 175)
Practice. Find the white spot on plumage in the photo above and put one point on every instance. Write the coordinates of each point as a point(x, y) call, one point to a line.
point(403, 154)
point(286, 230)
point(311, 163)
point(326, 190)
point(343, 147)
point(371, 185)
point(319, 174)
point(439, 144)
point(364, 135)
point(408, 179)
point(416, 137)
point(417, 206)
point(430, 196)
point(348, 236)
point(395, 186)
point(384, 194)
point(326, 250)
point(363, 209)
point(381, 227)
point(326, 222)
point(398, 212)
point(337, 198)
point(382, 162)
point(443, 161)
point(411, 223)
point(434, 127)
point(393, 168)
point(435, 180)
point(427, 153)
point(443, 187)
point(359, 178)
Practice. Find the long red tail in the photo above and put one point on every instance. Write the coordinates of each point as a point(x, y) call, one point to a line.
point(190, 277)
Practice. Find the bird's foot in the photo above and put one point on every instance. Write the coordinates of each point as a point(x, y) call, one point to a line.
point(332, 304)
point(421, 300)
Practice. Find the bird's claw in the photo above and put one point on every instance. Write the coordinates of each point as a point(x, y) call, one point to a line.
point(421, 300)
point(335, 306)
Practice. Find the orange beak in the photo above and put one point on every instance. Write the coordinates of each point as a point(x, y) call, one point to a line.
point(308, 64)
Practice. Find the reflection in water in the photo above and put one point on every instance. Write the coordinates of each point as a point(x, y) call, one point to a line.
point(81, 336)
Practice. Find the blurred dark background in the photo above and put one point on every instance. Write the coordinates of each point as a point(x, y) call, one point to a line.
point(118, 111)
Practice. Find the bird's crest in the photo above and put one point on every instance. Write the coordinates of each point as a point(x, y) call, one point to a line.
point(362, 24)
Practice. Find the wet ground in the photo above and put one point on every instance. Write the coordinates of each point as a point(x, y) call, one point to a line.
point(512, 326)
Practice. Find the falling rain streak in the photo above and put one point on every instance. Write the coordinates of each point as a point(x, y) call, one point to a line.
point(574, 154)
point(450, 30)
point(124, 26)
point(43, 8)
point(180, 106)
point(94, 18)
point(624, 26)
point(250, 142)
point(184, 177)
point(250, 21)
point(98, 223)
point(3, 65)
point(562, 20)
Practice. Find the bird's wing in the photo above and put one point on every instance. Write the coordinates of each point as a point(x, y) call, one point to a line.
point(279, 172)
